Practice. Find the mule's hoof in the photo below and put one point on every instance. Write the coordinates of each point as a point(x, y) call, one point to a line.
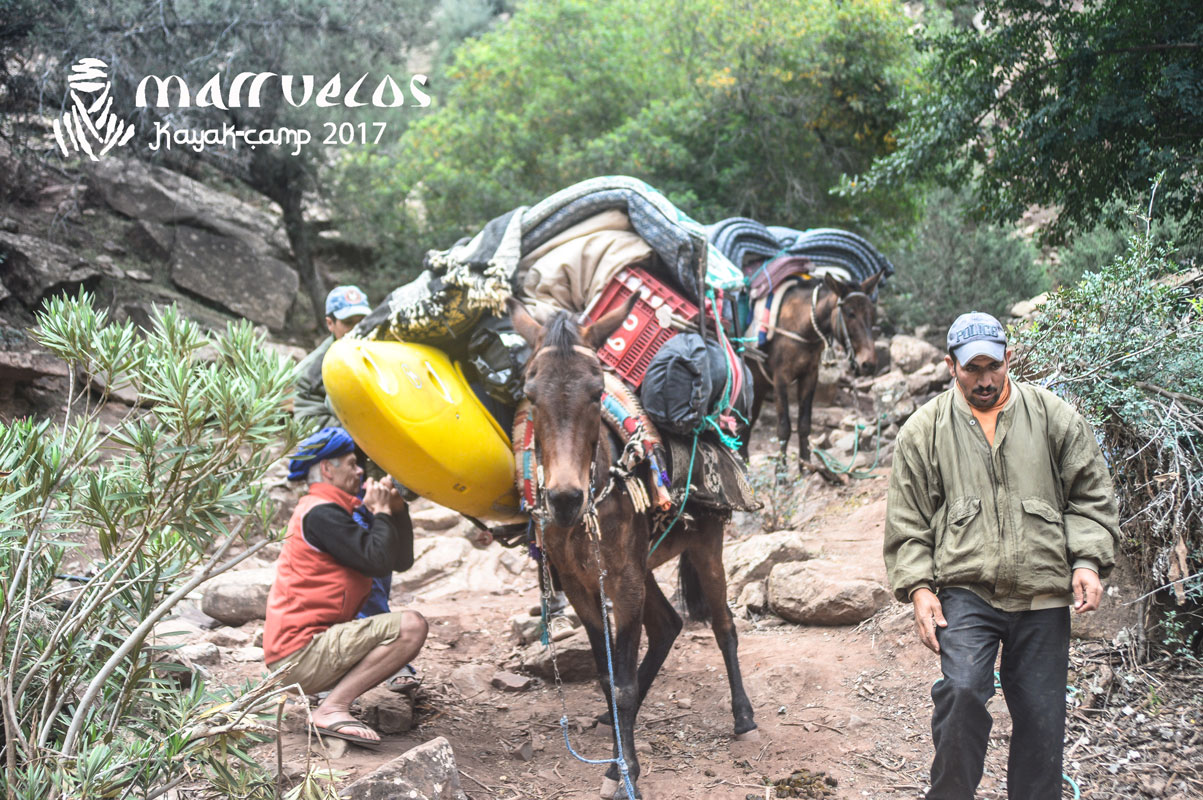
point(609, 788)
point(748, 736)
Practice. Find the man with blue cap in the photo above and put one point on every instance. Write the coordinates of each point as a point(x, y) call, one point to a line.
point(323, 577)
point(1000, 517)
point(346, 306)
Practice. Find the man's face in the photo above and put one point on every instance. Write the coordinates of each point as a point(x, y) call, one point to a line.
point(343, 472)
point(981, 380)
point(341, 327)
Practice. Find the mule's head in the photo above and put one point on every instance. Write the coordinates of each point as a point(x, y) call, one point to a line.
point(563, 382)
point(855, 316)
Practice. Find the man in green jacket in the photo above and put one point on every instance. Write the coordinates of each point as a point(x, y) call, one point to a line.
point(345, 307)
point(1001, 515)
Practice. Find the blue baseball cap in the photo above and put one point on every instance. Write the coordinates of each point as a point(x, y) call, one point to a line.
point(347, 301)
point(977, 334)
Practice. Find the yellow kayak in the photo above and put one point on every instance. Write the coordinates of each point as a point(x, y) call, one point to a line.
point(411, 410)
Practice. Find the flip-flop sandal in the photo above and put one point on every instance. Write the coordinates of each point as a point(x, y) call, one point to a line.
point(336, 729)
point(405, 681)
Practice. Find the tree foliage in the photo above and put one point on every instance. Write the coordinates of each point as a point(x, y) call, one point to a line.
point(1060, 103)
point(1125, 345)
point(950, 264)
point(86, 708)
point(752, 108)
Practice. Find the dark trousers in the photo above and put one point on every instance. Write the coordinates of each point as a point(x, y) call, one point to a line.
point(1035, 660)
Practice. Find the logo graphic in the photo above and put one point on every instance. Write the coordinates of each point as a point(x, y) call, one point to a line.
point(90, 127)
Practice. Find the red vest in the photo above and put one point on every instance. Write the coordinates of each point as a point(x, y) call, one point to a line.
point(312, 591)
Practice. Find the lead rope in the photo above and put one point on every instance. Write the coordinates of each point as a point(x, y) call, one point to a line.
point(592, 528)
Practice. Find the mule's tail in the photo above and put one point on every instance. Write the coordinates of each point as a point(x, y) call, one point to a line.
point(696, 607)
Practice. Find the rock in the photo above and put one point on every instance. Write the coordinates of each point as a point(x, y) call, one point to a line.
point(805, 593)
point(891, 396)
point(525, 628)
point(754, 597)
point(427, 772)
point(884, 363)
point(149, 193)
point(387, 712)
point(192, 614)
point(435, 519)
point(446, 565)
point(228, 272)
point(26, 360)
point(574, 657)
point(231, 637)
point(511, 682)
point(247, 655)
point(151, 241)
point(1026, 308)
point(470, 679)
point(238, 597)
point(929, 378)
point(33, 268)
point(140, 275)
point(9, 225)
point(205, 653)
point(909, 353)
point(524, 751)
point(752, 559)
point(173, 632)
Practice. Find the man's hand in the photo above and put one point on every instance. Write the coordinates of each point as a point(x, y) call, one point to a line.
point(377, 496)
point(1088, 590)
point(928, 615)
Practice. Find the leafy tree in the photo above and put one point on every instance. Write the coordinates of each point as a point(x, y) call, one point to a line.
point(1123, 345)
point(951, 264)
point(86, 708)
point(1060, 103)
point(752, 108)
point(201, 38)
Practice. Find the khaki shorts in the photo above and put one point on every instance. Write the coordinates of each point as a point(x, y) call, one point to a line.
point(331, 654)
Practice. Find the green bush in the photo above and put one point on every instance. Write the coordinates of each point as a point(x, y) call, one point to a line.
point(163, 493)
point(1093, 249)
point(1125, 346)
point(951, 264)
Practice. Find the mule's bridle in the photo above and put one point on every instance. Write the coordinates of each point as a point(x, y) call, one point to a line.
point(540, 511)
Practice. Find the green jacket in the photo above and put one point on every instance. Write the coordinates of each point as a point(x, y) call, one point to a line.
point(310, 402)
point(1007, 521)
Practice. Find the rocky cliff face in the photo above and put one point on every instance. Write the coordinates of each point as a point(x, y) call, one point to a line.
point(136, 236)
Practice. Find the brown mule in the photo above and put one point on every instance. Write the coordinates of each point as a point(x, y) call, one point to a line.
point(811, 320)
point(564, 386)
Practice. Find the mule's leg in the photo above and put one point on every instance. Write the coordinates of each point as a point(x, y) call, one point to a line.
point(663, 623)
point(706, 555)
point(627, 590)
point(806, 395)
point(781, 383)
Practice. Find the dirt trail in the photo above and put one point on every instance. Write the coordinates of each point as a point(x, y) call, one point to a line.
point(850, 703)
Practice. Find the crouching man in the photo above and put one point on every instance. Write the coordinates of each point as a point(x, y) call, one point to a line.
point(323, 576)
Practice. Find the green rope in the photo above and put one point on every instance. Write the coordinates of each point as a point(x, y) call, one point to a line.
point(688, 483)
point(833, 464)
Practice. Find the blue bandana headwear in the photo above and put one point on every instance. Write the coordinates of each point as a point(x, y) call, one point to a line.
point(326, 443)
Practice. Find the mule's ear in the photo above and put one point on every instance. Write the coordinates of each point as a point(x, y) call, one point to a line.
point(869, 284)
point(835, 284)
point(595, 335)
point(524, 323)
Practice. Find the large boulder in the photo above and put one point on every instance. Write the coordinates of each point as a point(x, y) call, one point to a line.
point(33, 268)
point(149, 193)
point(806, 593)
point(927, 379)
point(23, 360)
point(427, 772)
point(910, 353)
point(385, 711)
point(445, 565)
point(236, 598)
point(230, 273)
point(752, 559)
point(892, 396)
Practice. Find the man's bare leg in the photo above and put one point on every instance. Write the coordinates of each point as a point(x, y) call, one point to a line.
point(372, 670)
